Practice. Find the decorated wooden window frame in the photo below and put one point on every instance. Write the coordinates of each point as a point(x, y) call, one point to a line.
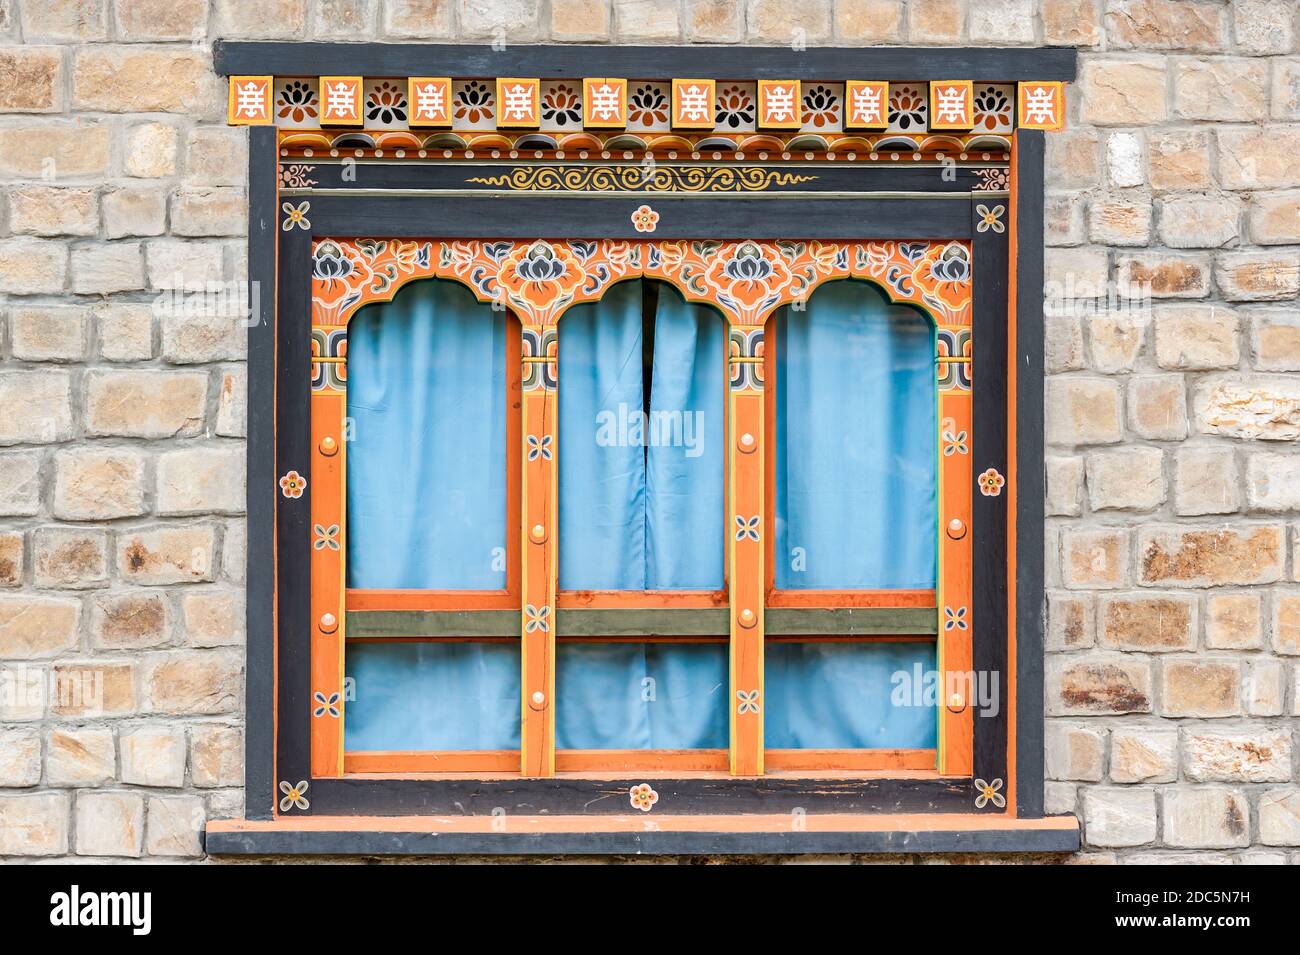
point(949, 222)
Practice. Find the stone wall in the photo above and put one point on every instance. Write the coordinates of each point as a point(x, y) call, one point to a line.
point(1173, 539)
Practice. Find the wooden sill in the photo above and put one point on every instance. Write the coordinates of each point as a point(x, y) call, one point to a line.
point(640, 834)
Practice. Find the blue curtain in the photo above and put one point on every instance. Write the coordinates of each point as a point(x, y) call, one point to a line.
point(842, 696)
point(427, 460)
point(856, 444)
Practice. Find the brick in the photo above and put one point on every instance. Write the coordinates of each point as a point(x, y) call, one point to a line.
point(1002, 21)
point(70, 556)
point(1233, 622)
point(1115, 337)
point(1083, 411)
point(1259, 756)
point(1258, 157)
point(776, 21)
point(129, 621)
point(1275, 218)
point(1120, 219)
point(216, 756)
point(174, 826)
point(425, 18)
point(190, 336)
point(1063, 344)
point(11, 559)
point(110, 824)
point(1286, 622)
point(1169, 276)
point(37, 405)
point(32, 627)
point(1279, 817)
point(65, 20)
point(1126, 479)
point(935, 21)
point(125, 331)
point(151, 150)
point(1200, 687)
point(20, 487)
point(1263, 688)
point(1064, 485)
point(1286, 88)
point(1196, 337)
point(1263, 26)
point(20, 757)
point(1075, 752)
point(1258, 276)
point(98, 485)
point(126, 79)
point(48, 333)
point(1124, 165)
point(1273, 481)
point(54, 149)
point(34, 825)
point(1263, 408)
point(1207, 818)
point(1095, 559)
point(1157, 407)
point(32, 266)
point(1165, 25)
point(53, 210)
point(1071, 623)
point(161, 19)
point(33, 79)
point(216, 156)
point(91, 689)
point(267, 18)
point(1200, 222)
point(153, 756)
point(23, 692)
point(1063, 219)
point(1119, 817)
point(80, 756)
point(178, 264)
point(1073, 155)
point(107, 267)
point(166, 555)
point(1140, 755)
point(707, 21)
point(868, 21)
point(232, 403)
point(1179, 159)
point(213, 618)
point(1071, 22)
point(144, 404)
point(1060, 798)
point(233, 554)
point(197, 481)
point(504, 19)
point(1122, 92)
point(1098, 684)
point(1221, 89)
point(1205, 481)
point(1200, 557)
point(135, 211)
point(193, 682)
point(1153, 624)
point(202, 212)
point(1073, 277)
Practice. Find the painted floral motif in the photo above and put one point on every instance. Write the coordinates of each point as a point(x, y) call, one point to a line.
point(293, 484)
point(748, 701)
point(645, 219)
point(295, 796)
point(954, 442)
point(821, 107)
point(473, 102)
point(539, 447)
point(541, 273)
point(993, 110)
point(295, 216)
point(562, 106)
point(954, 618)
point(643, 797)
point(991, 483)
point(907, 108)
point(538, 618)
point(329, 264)
point(296, 176)
point(990, 218)
point(326, 538)
point(989, 793)
point(735, 108)
point(297, 102)
point(325, 705)
point(647, 106)
point(747, 528)
point(386, 104)
point(991, 180)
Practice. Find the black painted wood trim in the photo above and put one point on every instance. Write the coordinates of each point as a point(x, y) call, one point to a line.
point(553, 61)
point(259, 570)
point(638, 843)
point(1030, 482)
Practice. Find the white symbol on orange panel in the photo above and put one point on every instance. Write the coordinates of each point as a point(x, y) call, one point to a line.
point(430, 100)
point(340, 99)
point(604, 102)
point(1040, 105)
point(780, 104)
point(950, 104)
point(250, 100)
point(695, 102)
point(519, 102)
point(866, 103)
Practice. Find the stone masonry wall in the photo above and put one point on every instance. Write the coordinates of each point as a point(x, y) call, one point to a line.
point(1173, 538)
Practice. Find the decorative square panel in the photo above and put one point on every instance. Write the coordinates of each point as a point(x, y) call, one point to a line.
point(649, 106)
point(561, 105)
point(736, 108)
point(995, 108)
point(429, 101)
point(297, 103)
point(952, 104)
point(249, 102)
point(866, 105)
point(909, 108)
point(779, 104)
point(340, 100)
point(823, 108)
point(693, 102)
point(1042, 106)
point(385, 105)
point(473, 105)
point(604, 101)
point(519, 103)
